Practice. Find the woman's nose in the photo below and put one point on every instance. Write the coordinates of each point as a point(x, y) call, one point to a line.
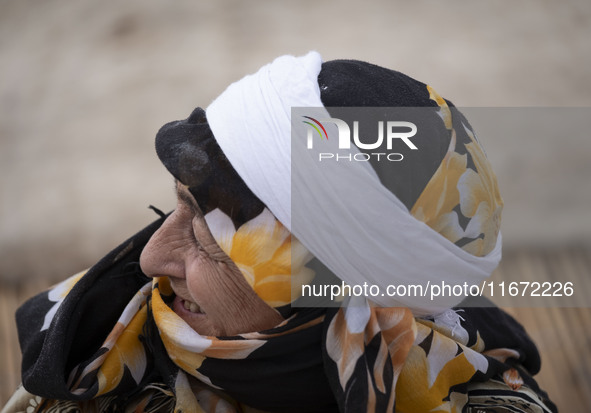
point(162, 256)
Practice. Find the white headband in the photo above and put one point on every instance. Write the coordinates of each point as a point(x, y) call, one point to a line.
point(251, 121)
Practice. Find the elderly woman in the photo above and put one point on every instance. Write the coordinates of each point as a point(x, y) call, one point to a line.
point(202, 311)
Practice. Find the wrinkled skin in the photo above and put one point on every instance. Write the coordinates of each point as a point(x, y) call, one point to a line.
point(184, 250)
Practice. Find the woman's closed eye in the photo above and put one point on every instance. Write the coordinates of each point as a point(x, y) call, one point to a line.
point(204, 241)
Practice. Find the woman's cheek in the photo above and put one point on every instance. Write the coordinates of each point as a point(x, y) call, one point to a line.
point(207, 284)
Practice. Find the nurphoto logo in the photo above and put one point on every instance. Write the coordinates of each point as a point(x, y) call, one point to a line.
point(386, 131)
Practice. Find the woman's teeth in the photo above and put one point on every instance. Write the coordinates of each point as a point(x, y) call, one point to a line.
point(191, 306)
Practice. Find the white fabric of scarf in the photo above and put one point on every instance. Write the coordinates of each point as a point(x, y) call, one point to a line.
point(368, 237)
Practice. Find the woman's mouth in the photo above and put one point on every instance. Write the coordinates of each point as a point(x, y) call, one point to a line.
point(186, 308)
point(192, 307)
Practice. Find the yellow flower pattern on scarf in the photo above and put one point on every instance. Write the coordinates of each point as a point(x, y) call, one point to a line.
point(427, 376)
point(127, 350)
point(480, 200)
point(271, 259)
point(455, 183)
point(122, 348)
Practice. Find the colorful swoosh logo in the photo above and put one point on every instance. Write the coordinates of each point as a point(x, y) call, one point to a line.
point(315, 127)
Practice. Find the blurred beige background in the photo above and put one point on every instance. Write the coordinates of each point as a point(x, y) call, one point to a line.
point(85, 85)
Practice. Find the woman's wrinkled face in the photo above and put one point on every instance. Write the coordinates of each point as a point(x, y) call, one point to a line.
point(212, 296)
